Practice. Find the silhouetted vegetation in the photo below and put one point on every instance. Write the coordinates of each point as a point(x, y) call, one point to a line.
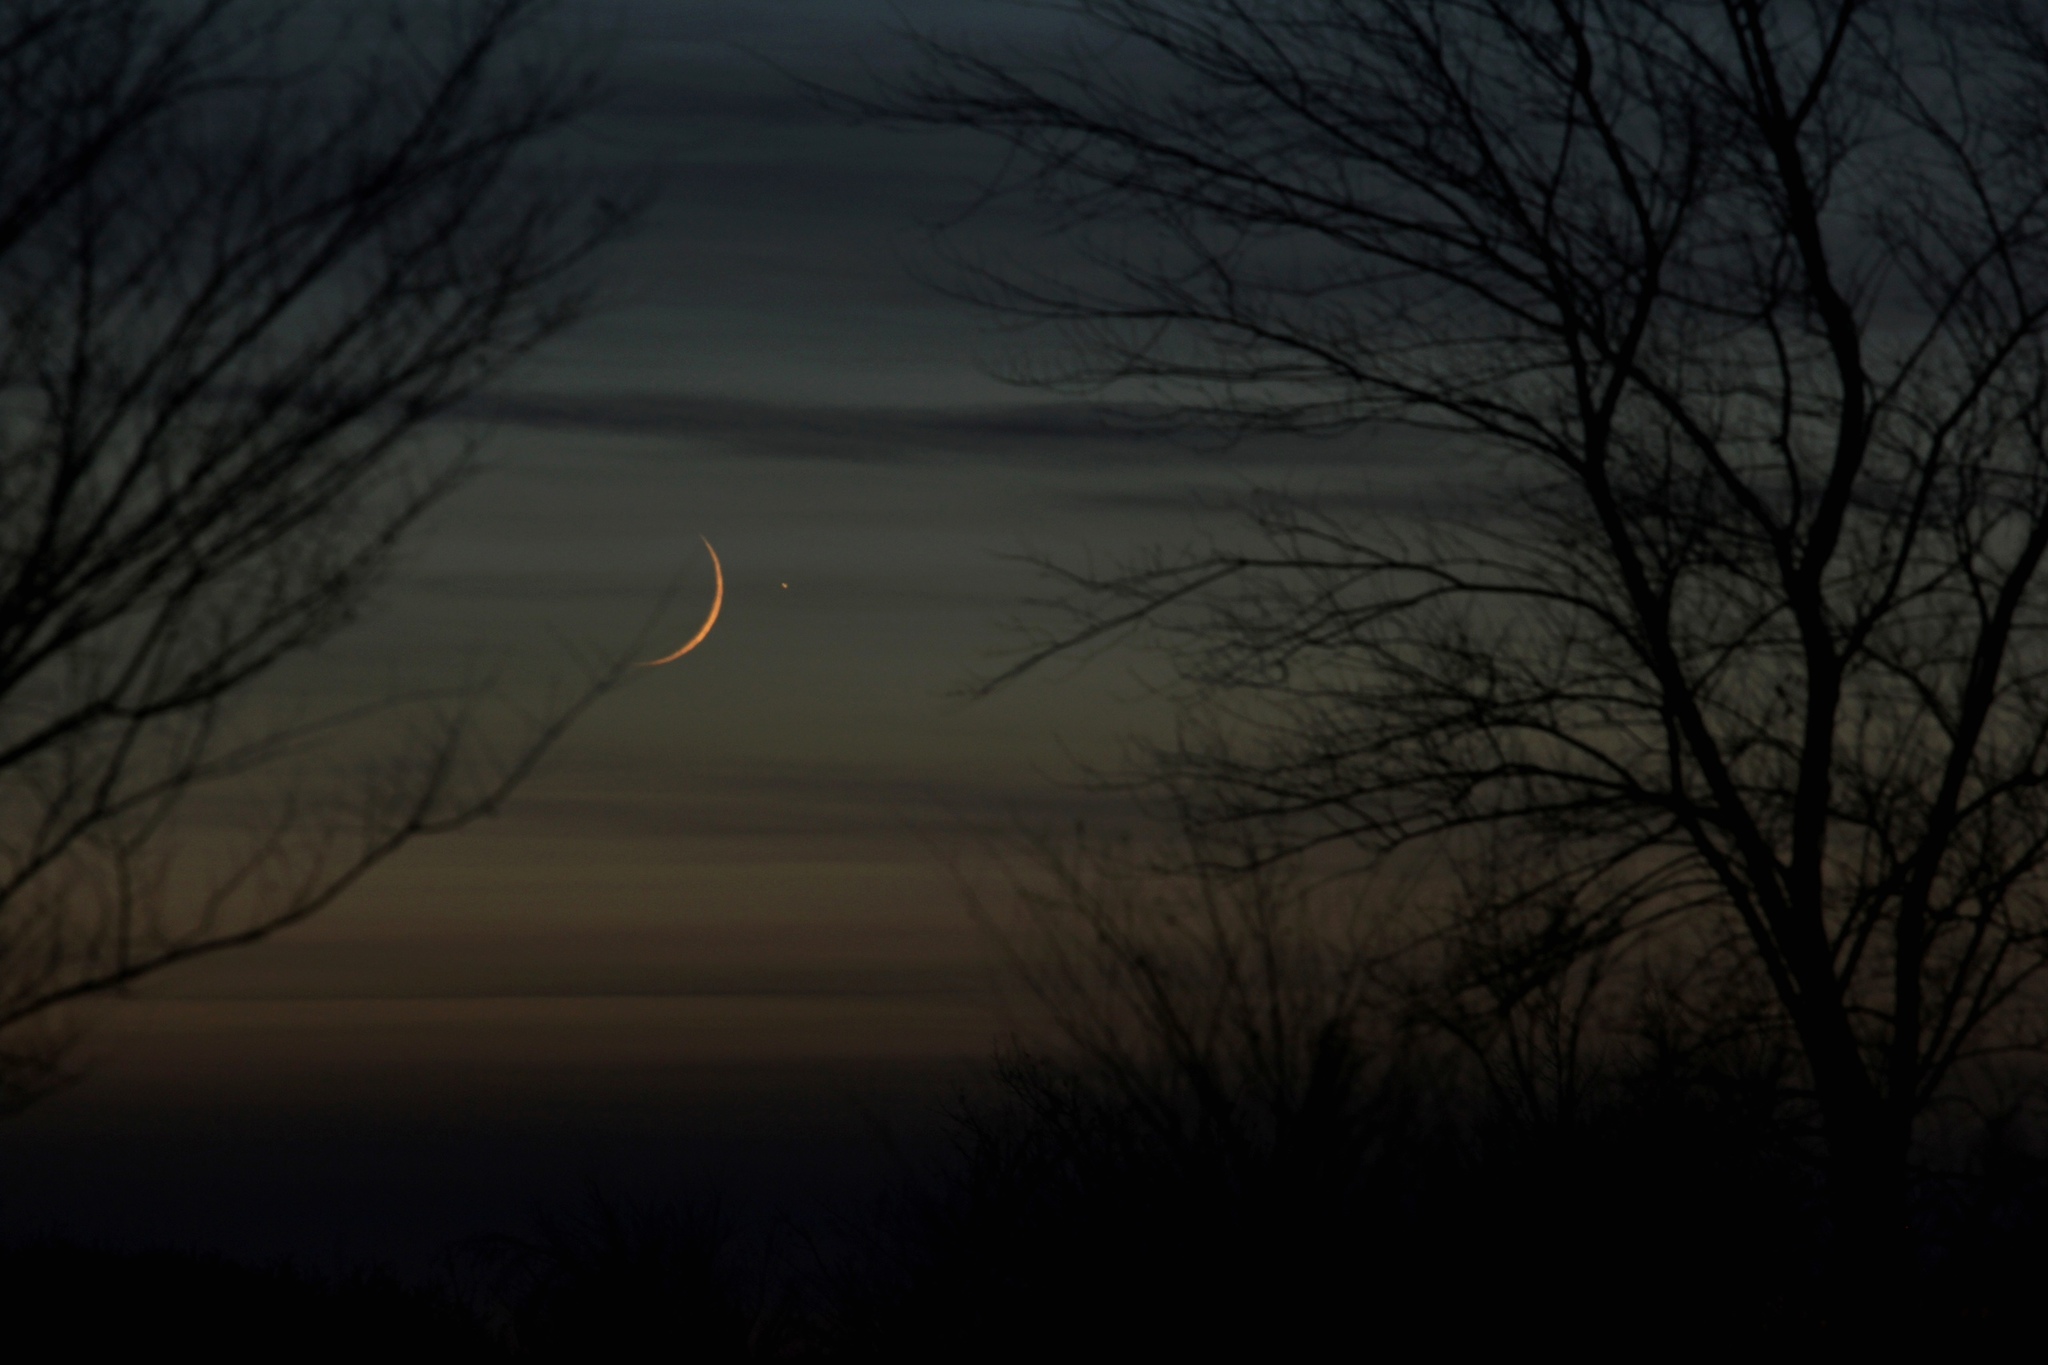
point(612, 1283)
point(1722, 655)
point(1720, 733)
point(1064, 1217)
point(1240, 1127)
point(248, 252)
point(1661, 1219)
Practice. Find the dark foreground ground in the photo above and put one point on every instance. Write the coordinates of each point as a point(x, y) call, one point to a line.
point(651, 1288)
point(338, 1134)
point(496, 1197)
point(1040, 1222)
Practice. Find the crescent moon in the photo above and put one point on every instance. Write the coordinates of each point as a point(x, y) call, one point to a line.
point(717, 601)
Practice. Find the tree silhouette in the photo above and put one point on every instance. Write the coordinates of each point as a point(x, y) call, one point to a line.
point(246, 252)
point(1730, 646)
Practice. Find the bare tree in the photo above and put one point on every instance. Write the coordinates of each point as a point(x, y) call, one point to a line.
point(246, 252)
point(1741, 308)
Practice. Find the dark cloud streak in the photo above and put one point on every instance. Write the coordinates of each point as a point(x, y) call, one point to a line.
point(1044, 433)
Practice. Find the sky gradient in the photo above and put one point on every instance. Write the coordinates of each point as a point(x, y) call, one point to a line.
point(722, 928)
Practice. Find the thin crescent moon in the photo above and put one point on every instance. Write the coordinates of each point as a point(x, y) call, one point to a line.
point(717, 601)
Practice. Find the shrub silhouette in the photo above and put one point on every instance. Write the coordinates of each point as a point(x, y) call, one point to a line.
point(1666, 1218)
point(633, 1283)
point(1065, 1217)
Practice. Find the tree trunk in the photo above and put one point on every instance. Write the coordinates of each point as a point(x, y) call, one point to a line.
point(1871, 1252)
point(1867, 1135)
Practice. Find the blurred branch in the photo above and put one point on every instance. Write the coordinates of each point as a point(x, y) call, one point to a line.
point(247, 254)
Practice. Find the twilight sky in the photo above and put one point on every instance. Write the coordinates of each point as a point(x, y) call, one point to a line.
point(723, 913)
